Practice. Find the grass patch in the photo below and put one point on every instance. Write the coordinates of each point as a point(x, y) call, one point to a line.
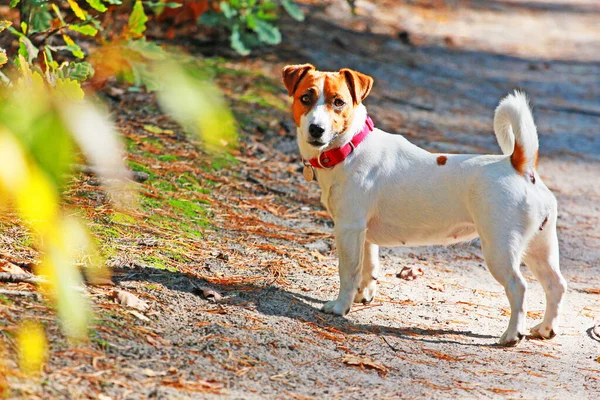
point(121, 218)
point(167, 157)
point(158, 263)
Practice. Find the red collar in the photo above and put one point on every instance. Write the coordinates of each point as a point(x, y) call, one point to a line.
point(333, 157)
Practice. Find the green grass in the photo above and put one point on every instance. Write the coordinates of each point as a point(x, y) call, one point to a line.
point(158, 263)
point(167, 157)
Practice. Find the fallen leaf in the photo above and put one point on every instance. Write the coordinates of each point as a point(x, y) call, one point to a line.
point(153, 129)
point(591, 290)
point(194, 386)
point(410, 273)
point(149, 372)
point(130, 300)
point(208, 293)
point(365, 362)
point(157, 341)
point(8, 267)
point(139, 315)
point(438, 287)
point(98, 281)
point(320, 257)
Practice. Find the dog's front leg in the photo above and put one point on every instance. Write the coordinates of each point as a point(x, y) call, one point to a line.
point(350, 242)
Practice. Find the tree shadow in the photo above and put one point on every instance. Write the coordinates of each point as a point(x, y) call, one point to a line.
point(276, 301)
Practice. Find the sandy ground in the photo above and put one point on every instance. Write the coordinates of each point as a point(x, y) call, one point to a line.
point(432, 337)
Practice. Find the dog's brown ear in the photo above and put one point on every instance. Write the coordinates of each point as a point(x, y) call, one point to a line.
point(359, 84)
point(293, 74)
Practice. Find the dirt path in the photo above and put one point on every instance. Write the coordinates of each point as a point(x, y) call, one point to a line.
point(265, 242)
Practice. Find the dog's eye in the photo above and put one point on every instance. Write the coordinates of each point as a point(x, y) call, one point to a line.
point(305, 99)
point(339, 103)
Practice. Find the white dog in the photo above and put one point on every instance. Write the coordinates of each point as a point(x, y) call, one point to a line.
point(381, 190)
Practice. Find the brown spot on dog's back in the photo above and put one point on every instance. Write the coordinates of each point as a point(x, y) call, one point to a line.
point(441, 160)
point(518, 159)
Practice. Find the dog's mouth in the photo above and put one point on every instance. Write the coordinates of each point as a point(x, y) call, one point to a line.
point(316, 143)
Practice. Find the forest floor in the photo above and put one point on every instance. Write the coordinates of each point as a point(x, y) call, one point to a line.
point(250, 228)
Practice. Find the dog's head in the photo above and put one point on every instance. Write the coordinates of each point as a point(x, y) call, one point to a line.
point(325, 103)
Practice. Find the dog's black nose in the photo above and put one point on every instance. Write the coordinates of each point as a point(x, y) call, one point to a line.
point(315, 131)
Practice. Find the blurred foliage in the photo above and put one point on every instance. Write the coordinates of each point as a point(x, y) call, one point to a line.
point(48, 123)
point(251, 23)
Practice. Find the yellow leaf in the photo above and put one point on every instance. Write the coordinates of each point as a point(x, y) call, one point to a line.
point(37, 201)
point(32, 347)
point(77, 10)
point(68, 89)
point(59, 268)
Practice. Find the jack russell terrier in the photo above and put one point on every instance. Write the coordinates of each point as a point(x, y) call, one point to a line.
point(381, 190)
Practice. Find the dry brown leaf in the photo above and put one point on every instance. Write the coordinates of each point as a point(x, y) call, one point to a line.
point(591, 290)
point(157, 341)
point(139, 315)
point(194, 386)
point(437, 286)
point(208, 293)
point(320, 257)
point(130, 300)
point(410, 273)
point(365, 362)
point(151, 373)
point(8, 267)
point(97, 281)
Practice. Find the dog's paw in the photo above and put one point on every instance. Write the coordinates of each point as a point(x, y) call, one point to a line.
point(336, 307)
point(366, 294)
point(511, 339)
point(542, 331)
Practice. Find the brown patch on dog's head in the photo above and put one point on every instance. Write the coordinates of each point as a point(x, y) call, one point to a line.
point(293, 74)
point(360, 85)
point(339, 101)
point(441, 160)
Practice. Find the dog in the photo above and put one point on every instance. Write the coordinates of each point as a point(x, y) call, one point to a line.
point(381, 190)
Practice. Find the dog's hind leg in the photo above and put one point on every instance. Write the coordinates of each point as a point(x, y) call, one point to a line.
point(542, 258)
point(503, 257)
point(350, 242)
point(370, 274)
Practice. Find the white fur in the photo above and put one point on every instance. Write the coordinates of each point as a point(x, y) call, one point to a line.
point(389, 192)
point(513, 122)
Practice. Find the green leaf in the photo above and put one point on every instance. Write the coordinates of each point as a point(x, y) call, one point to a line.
point(137, 19)
point(227, 11)
point(79, 71)
point(4, 25)
point(293, 10)
point(27, 49)
point(97, 5)
point(40, 21)
point(146, 49)
point(81, 14)
point(237, 43)
point(13, 3)
point(73, 47)
point(267, 33)
point(211, 18)
point(84, 29)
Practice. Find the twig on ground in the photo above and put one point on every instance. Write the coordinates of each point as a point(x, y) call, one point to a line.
point(18, 278)
point(20, 293)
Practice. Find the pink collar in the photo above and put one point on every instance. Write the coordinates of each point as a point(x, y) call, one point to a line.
point(333, 157)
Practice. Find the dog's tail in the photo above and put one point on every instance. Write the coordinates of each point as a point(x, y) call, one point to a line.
point(516, 131)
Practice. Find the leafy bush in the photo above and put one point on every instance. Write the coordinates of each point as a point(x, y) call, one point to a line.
point(250, 22)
